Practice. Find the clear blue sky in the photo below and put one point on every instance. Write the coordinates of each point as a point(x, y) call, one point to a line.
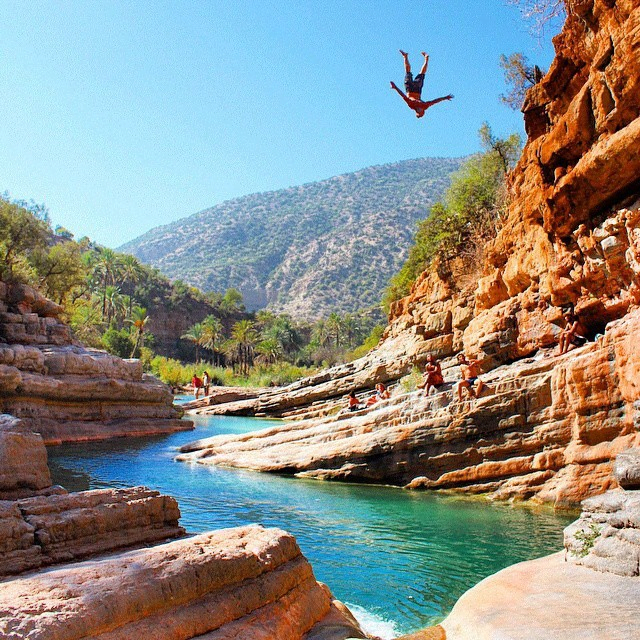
point(121, 116)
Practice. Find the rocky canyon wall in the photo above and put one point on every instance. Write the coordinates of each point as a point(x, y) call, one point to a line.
point(571, 236)
point(65, 391)
point(547, 427)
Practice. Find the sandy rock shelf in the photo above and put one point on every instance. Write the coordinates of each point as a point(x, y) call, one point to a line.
point(547, 598)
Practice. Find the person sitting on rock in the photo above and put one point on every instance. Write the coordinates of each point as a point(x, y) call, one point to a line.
point(354, 403)
point(470, 371)
point(432, 375)
point(381, 393)
point(413, 87)
point(573, 335)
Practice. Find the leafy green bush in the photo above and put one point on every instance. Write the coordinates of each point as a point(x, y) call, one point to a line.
point(470, 214)
point(371, 341)
point(117, 342)
point(588, 539)
point(411, 381)
point(171, 371)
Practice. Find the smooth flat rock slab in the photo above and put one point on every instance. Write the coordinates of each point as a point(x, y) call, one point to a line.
point(547, 599)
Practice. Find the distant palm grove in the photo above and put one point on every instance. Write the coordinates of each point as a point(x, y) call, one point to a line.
point(114, 302)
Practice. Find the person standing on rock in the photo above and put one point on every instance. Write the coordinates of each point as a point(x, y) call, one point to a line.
point(470, 372)
point(413, 87)
point(197, 385)
point(206, 381)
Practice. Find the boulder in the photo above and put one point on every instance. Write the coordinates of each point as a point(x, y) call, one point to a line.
point(248, 582)
point(546, 598)
point(23, 460)
point(626, 469)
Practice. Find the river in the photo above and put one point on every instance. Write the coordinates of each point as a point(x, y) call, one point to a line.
point(400, 559)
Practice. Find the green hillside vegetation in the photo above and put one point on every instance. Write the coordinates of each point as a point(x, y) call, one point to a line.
point(460, 225)
point(114, 302)
point(307, 250)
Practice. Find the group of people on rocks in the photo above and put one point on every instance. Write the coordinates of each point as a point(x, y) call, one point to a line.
point(572, 336)
point(201, 384)
point(381, 393)
point(470, 382)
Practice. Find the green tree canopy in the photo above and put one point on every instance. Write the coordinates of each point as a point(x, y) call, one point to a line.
point(471, 212)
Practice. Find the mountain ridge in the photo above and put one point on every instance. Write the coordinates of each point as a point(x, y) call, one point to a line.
point(306, 250)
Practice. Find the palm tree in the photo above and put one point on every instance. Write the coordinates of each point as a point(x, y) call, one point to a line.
point(283, 330)
point(245, 336)
point(270, 350)
point(131, 272)
point(106, 267)
point(138, 318)
point(334, 327)
point(350, 327)
point(113, 303)
point(195, 335)
point(211, 335)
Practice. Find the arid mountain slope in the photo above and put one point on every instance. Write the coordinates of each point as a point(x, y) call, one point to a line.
point(307, 250)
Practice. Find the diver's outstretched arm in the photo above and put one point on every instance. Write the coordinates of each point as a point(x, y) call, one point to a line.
point(402, 95)
point(430, 103)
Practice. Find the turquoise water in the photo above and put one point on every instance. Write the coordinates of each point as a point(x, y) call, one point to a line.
point(400, 558)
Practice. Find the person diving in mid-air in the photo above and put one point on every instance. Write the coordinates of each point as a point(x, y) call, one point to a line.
point(413, 87)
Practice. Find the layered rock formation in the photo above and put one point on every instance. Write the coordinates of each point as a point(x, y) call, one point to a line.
point(66, 392)
point(547, 428)
point(238, 583)
point(248, 582)
point(561, 596)
point(606, 537)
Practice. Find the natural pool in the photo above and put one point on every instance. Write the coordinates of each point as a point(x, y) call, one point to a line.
point(400, 559)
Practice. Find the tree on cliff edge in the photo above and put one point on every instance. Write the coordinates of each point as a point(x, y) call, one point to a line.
point(469, 216)
point(539, 13)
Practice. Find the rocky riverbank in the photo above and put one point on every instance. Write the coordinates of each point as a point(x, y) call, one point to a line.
point(120, 566)
point(69, 393)
point(545, 428)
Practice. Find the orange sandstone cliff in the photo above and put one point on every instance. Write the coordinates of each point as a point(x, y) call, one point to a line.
point(547, 427)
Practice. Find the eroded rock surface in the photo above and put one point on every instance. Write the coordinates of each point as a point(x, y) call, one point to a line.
point(248, 582)
point(606, 537)
point(546, 598)
point(24, 470)
point(547, 429)
point(66, 392)
point(47, 530)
